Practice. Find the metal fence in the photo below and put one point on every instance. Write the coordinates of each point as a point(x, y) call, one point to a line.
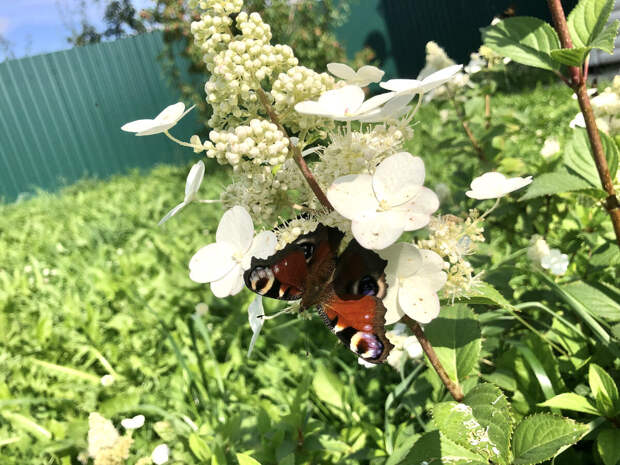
point(61, 113)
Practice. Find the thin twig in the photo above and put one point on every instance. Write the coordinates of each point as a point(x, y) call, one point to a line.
point(454, 389)
point(579, 86)
point(470, 135)
point(299, 159)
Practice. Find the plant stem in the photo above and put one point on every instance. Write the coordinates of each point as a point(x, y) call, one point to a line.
point(299, 159)
point(453, 388)
point(470, 135)
point(415, 327)
point(578, 84)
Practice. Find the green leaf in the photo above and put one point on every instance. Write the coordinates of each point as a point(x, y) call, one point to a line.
point(598, 303)
point(605, 41)
point(524, 39)
point(587, 21)
point(554, 183)
point(608, 446)
point(604, 390)
point(578, 156)
point(199, 447)
point(455, 335)
point(328, 387)
point(571, 401)
point(485, 293)
point(482, 422)
point(435, 448)
point(540, 437)
point(244, 459)
point(571, 56)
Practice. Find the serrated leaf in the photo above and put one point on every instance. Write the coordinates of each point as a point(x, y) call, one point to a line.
point(578, 156)
point(605, 41)
point(587, 21)
point(455, 335)
point(482, 422)
point(555, 183)
point(524, 39)
point(435, 448)
point(571, 56)
point(571, 401)
point(608, 446)
point(604, 390)
point(540, 437)
point(244, 459)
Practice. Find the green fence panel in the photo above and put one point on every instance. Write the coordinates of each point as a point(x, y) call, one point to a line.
point(61, 113)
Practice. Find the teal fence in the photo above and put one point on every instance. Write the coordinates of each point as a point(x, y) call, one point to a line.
point(61, 113)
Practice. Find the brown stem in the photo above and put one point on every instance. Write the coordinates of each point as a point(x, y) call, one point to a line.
point(470, 135)
point(297, 156)
point(559, 21)
point(487, 110)
point(453, 388)
point(579, 86)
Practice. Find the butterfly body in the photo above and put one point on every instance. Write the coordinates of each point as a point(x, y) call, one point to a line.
point(347, 289)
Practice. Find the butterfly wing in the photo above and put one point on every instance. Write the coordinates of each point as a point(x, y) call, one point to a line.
point(355, 312)
point(285, 275)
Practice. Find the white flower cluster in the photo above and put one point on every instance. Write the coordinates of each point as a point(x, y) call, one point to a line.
point(261, 142)
point(296, 85)
point(606, 108)
point(453, 239)
point(105, 445)
point(550, 259)
point(436, 60)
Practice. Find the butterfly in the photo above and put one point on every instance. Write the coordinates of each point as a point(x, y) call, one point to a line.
point(346, 289)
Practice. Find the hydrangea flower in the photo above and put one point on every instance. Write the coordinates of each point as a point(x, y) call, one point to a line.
point(405, 346)
point(537, 249)
point(347, 104)
point(168, 118)
point(415, 86)
point(362, 77)
point(133, 423)
point(414, 276)
point(555, 261)
point(493, 185)
point(550, 147)
point(383, 205)
point(194, 179)
point(223, 262)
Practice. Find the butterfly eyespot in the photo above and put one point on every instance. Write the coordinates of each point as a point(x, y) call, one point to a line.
point(367, 286)
point(262, 280)
point(308, 250)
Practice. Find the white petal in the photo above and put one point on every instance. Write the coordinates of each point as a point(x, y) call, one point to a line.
point(517, 183)
point(431, 272)
point(171, 113)
point(493, 185)
point(341, 70)
point(133, 423)
point(393, 109)
point(413, 347)
point(398, 178)
point(160, 454)
point(194, 179)
point(352, 196)
point(138, 125)
point(418, 211)
point(439, 77)
point(403, 85)
point(230, 284)
point(211, 263)
point(263, 246)
point(155, 129)
point(255, 314)
point(236, 228)
point(345, 101)
point(404, 259)
point(171, 213)
point(394, 313)
point(310, 107)
point(370, 73)
point(375, 102)
point(422, 305)
point(378, 232)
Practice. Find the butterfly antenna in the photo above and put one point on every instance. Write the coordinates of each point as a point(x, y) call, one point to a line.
point(275, 315)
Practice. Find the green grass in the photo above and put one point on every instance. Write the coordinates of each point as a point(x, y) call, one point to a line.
point(90, 286)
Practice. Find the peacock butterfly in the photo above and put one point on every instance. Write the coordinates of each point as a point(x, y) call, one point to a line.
point(346, 289)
